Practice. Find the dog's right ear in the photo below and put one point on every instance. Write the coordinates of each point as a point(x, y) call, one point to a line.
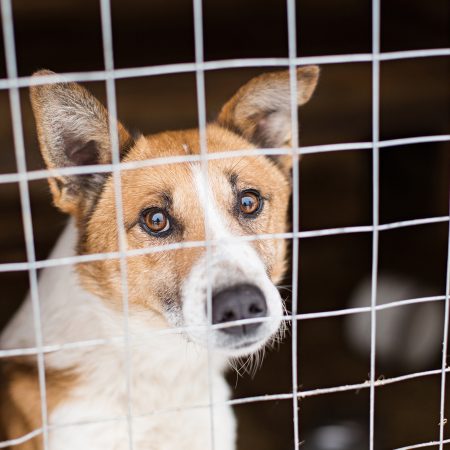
point(260, 110)
point(73, 130)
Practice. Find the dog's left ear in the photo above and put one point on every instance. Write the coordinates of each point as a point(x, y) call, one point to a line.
point(73, 130)
point(261, 109)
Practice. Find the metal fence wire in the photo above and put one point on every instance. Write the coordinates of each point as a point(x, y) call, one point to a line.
point(109, 75)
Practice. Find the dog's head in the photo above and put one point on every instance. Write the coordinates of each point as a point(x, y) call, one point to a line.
point(225, 201)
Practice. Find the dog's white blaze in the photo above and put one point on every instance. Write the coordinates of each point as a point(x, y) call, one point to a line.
point(228, 263)
point(215, 222)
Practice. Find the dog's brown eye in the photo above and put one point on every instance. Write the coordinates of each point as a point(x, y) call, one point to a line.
point(156, 220)
point(250, 202)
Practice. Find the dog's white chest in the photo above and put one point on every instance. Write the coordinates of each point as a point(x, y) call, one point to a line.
point(169, 405)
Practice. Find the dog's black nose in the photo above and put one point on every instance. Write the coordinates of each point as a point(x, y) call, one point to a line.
point(243, 301)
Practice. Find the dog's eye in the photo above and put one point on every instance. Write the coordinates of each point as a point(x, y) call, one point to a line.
point(250, 202)
point(156, 221)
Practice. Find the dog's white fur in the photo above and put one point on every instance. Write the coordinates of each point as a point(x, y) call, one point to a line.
point(167, 372)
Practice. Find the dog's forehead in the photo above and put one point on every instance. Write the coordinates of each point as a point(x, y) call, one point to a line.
point(175, 185)
point(186, 142)
point(176, 174)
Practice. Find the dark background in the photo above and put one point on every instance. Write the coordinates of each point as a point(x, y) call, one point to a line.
point(335, 188)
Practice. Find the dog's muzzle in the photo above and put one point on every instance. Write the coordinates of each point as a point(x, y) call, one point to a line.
point(241, 292)
point(239, 302)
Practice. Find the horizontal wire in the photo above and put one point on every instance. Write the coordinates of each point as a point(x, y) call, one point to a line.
point(52, 348)
point(366, 309)
point(413, 140)
point(242, 401)
point(412, 222)
point(41, 174)
point(335, 389)
point(425, 444)
point(167, 69)
point(21, 439)
point(406, 54)
point(77, 259)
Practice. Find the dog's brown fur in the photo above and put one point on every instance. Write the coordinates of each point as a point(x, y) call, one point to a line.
point(20, 396)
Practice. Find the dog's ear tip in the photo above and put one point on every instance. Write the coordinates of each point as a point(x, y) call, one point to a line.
point(38, 89)
point(42, 73)
point(311, 71)
point(313, 68)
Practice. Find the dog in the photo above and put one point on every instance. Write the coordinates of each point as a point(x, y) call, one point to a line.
point(152, 389)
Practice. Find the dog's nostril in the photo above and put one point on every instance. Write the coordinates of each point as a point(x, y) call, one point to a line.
point(228, 316)
point(255, 309)
point(243, 301)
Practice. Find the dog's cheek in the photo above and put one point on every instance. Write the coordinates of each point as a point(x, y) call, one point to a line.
point(266, 253)
point(273, 255)
point(183, 260)
point(279, 266)
point(146, 275)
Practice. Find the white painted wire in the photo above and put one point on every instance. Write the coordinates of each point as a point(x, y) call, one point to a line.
point(22, 439)
point(292, 44)
point(275, 397)
point(19, 147)
point(42, 174)
point(201, 109)
point(51, 348)
point(108, 55)
point(425, 444)
point(134, 72)
point(52, 262)
point(375, 208)
point(443, 420)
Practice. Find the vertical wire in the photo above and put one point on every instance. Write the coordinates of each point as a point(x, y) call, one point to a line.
point(201, 107)
point(292, 40)
point(375, 206)
point(108, 55)
point(19, 148)
point(443, 419)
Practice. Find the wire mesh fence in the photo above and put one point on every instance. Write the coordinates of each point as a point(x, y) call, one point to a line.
point(109, 75)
